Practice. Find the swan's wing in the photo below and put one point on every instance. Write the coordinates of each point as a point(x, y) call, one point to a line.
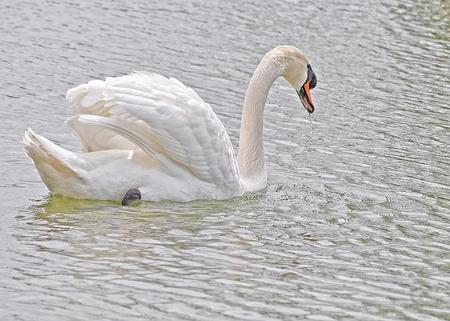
point(177, 123)
point(89, 99)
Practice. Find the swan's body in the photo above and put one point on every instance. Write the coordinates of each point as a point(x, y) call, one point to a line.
point(147, 132)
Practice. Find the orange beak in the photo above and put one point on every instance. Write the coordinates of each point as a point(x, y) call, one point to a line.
point(305, 97)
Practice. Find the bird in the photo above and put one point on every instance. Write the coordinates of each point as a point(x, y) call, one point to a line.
point(150, 137)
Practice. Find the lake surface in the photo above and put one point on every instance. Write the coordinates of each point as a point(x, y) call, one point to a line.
point(354, 224)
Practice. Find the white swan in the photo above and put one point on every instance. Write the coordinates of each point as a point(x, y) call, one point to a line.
point(151, 137)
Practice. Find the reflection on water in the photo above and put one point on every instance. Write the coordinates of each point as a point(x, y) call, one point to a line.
point(354, 223)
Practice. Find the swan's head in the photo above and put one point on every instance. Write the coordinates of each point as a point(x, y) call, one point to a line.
point(296, 69)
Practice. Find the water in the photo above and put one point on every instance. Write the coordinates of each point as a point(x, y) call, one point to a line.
point(354, 224)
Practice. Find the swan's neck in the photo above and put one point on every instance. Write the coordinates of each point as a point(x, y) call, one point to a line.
point(251, 150)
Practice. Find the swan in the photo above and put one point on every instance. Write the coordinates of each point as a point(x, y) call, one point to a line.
point(149, 137)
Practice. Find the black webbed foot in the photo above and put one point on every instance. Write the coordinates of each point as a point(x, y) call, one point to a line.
point(132, 195)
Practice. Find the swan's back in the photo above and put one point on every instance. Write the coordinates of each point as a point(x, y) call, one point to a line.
point(161, 116)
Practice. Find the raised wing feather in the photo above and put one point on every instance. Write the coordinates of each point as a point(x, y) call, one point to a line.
point(183, 127)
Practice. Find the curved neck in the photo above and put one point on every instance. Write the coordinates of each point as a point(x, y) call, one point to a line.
point(251, 150)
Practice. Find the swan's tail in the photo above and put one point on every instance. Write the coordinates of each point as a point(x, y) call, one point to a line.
point(50, 160)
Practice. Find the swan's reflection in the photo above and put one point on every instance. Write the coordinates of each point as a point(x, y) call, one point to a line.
point(168, 252)
point(104, 220)
point(56, 204)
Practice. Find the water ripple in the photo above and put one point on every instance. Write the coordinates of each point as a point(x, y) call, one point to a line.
point(354, 223)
